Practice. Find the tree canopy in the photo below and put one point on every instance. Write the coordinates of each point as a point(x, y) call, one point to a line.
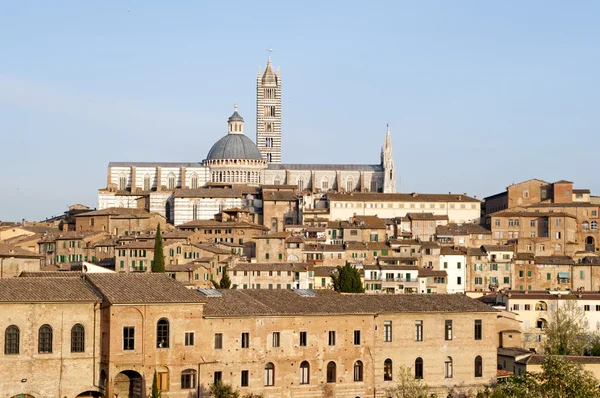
point(567, 330)
point(559, 378)
point(158, 265)
point(225, 282)
point(407, 386)
point(347, 280)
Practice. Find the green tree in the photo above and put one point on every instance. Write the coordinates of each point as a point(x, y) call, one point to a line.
point(222, 390)
point(567, 330)
point(225, 282)
point(347, 280)
point(559, 378)
point(155, 392)
point(158, 265)
point(407, 386)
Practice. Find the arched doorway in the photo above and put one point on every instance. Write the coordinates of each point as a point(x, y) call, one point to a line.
point(22, 396)
point(128, 383)
point(590, 244)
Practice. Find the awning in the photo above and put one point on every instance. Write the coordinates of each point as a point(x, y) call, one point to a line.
point(564, 275)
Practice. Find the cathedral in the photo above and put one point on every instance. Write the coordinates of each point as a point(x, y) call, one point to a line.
point(235, 167)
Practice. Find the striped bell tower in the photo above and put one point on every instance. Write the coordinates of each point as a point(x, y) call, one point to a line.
point(268, 113)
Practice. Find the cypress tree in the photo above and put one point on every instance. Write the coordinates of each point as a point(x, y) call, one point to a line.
point(158, 265)
point(155, 392)
point(347, 280)
point(225, 281)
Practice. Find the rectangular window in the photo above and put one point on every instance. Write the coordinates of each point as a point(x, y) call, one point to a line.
point(581, 274)
point(357, 337)
point(458, 280)
point(303, 339)
point(478, 329)
point(548, 276)
point(586, 307)
point(128, 338)
point(276, 338)
point(162, 379)
point(418, 330)
point(245, 378)
point(218, 376)
point(189, 338)
point(387, 331)
point(529, 274)
point(506, 280)
point(478, 280)
point(458, 265)
point(218, 341)
point(527, 307)
point(245, 340)
point(448, 330)
point(332, 337)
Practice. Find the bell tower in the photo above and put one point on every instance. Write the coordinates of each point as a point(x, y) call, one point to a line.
point(268, 113)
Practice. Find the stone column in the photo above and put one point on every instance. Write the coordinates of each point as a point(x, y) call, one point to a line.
point(159, 178)
point(133, 179)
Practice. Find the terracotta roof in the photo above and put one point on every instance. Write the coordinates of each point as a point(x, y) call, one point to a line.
point(142, 288)
point(114, 211)
point(262, 302)
point(563, 182)
point(498, 248)
point(286, 196)
point(475, 251)
point(294, 239)
point(325, 271)
point(147, 245)
point(401, 197)
point(370, 222)
point(50, 274)
point(513, 351)
point(31, 290)
point(524, 256)
point(16, 251)
point(429, 245)
point(571, 204)
point(404, 242)
point(209, 247)
point(454, 229)
point(421, 216)
point(554, 260)
point(584, 191)
point(219, 224)
point(453, 251)
point(424, 272)
point(185, 267)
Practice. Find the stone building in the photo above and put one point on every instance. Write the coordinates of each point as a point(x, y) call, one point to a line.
point(14, 260)
point(50, 336)
point(175, 190)
point(279, 342)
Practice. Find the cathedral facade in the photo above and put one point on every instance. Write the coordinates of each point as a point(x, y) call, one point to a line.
point(235, 167)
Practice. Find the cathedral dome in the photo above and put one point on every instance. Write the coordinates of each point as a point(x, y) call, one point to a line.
point(234, 146)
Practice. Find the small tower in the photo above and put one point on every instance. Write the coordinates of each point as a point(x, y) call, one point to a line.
point(268, 114)
point(387, 162)
point(235, 122)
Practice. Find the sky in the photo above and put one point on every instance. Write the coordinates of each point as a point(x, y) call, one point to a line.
point(478, 95)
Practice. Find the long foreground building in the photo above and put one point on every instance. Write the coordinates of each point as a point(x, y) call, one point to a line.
point(105, 335)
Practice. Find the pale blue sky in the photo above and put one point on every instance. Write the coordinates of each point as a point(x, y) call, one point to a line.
point(479, 94)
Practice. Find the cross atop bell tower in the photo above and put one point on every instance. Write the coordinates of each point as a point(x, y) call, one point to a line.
point(268, 113)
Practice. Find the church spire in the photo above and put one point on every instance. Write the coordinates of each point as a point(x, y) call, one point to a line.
point(387, 162)
point(268, 113)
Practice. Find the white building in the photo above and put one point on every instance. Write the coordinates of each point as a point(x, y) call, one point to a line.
point(453, 260)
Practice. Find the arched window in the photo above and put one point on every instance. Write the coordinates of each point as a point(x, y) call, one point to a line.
point(324, 184)
point(122, 182)
point(594, 225)
point(147, 185)
point(541, 323)
point(45, 339)
point(387, 370)
point(448, 368)
point(274, 224)
point(168, 210)
point(304, 372)
point(78, 338)
point(419, 368)
point(478, 366)
point(331, 370)
point(171, 181)
point(11, 340)
point(541, 306)
point(300, 184)
point(558, 247)
point(188, 379)
point(269, 374)
point(349, 184)
point(585, 226)
point(194, 181)
point(277, 181)
point(162, 333)
point(358, 371)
